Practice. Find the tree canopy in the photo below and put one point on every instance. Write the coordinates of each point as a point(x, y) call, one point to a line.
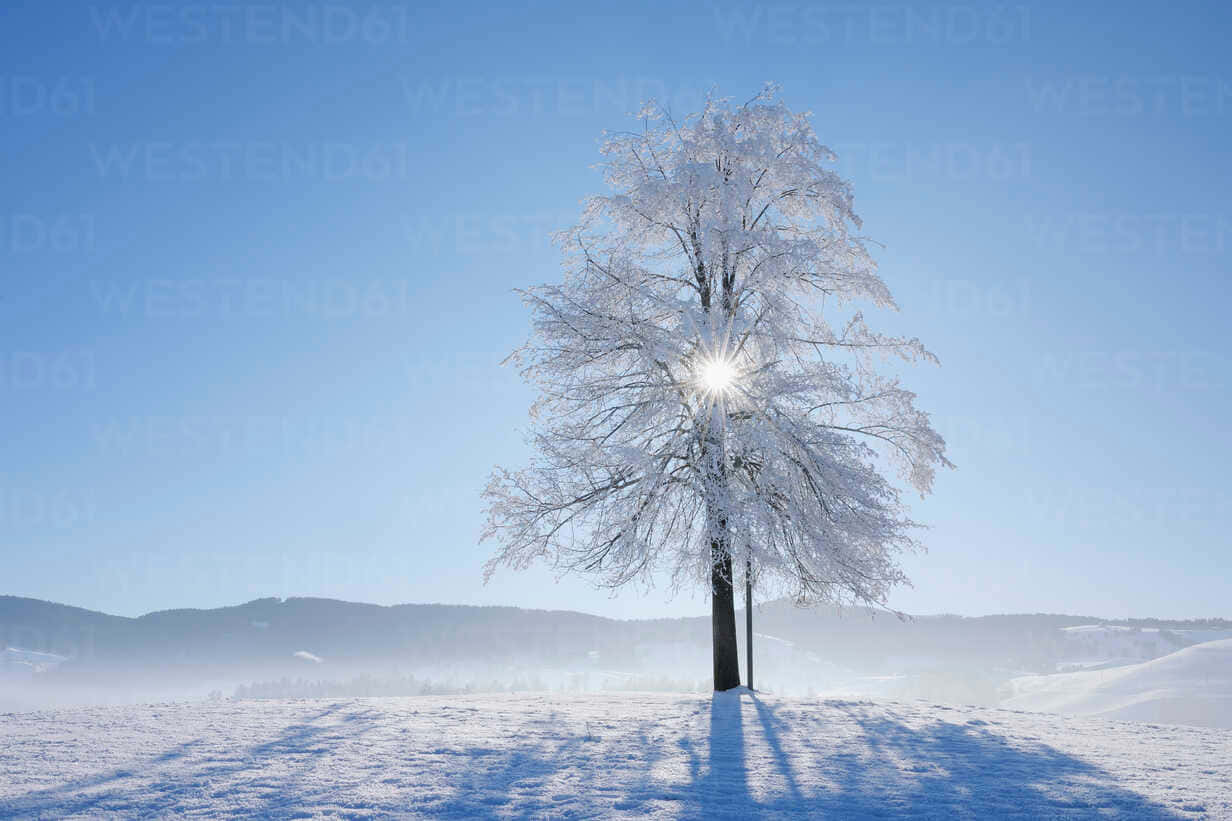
point(706, 376)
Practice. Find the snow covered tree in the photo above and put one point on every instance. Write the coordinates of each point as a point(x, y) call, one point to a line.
point(709, 392)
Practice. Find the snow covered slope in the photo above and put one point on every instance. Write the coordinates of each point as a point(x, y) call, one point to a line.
point(1109, 645)
point(630, 755)
point(1190, 686)
point(19, 661)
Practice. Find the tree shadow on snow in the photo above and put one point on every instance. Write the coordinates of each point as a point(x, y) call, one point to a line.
point(750, 762)
point(891, 769)
point(499, 780)
point(121, 791)
point(747, 761)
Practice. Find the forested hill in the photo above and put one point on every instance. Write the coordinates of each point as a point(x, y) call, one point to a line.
point(271, 628)
point(267, 633)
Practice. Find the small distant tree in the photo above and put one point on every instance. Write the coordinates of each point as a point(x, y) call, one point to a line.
point(708, 390)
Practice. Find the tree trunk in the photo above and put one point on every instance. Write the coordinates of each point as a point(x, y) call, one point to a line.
point(722, 583)
point(723, 618)
point(748, 618)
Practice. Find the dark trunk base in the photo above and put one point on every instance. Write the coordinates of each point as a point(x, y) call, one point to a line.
point(723, 623)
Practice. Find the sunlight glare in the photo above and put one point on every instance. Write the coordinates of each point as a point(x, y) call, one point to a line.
point(718, 375)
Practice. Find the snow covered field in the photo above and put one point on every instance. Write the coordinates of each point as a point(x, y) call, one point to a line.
point(732, 756)
point(1190, 686)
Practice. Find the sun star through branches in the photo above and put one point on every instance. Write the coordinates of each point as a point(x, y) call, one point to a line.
point(717, 375)
point(709, 388)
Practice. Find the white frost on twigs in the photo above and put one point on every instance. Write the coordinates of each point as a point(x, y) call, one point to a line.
point(705, 377)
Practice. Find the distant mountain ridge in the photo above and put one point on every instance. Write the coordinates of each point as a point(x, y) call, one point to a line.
point(269, 631)
point(272, 630)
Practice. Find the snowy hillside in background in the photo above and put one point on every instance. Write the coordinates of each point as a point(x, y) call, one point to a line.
point(16, 661)
point(1190, 686)
point(53, 655)
point(1090, 646)
point(632, 755)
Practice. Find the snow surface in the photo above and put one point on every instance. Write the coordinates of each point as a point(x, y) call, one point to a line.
point(15, 659)
point(554, 755)
point(1110, 645)
point(1190, 686)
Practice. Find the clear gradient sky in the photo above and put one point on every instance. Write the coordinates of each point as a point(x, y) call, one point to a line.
point(258, 258)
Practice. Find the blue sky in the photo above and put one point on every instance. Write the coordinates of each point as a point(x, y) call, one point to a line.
point(258, 262)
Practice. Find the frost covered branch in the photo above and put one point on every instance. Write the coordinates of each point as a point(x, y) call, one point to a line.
point(725, 238)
